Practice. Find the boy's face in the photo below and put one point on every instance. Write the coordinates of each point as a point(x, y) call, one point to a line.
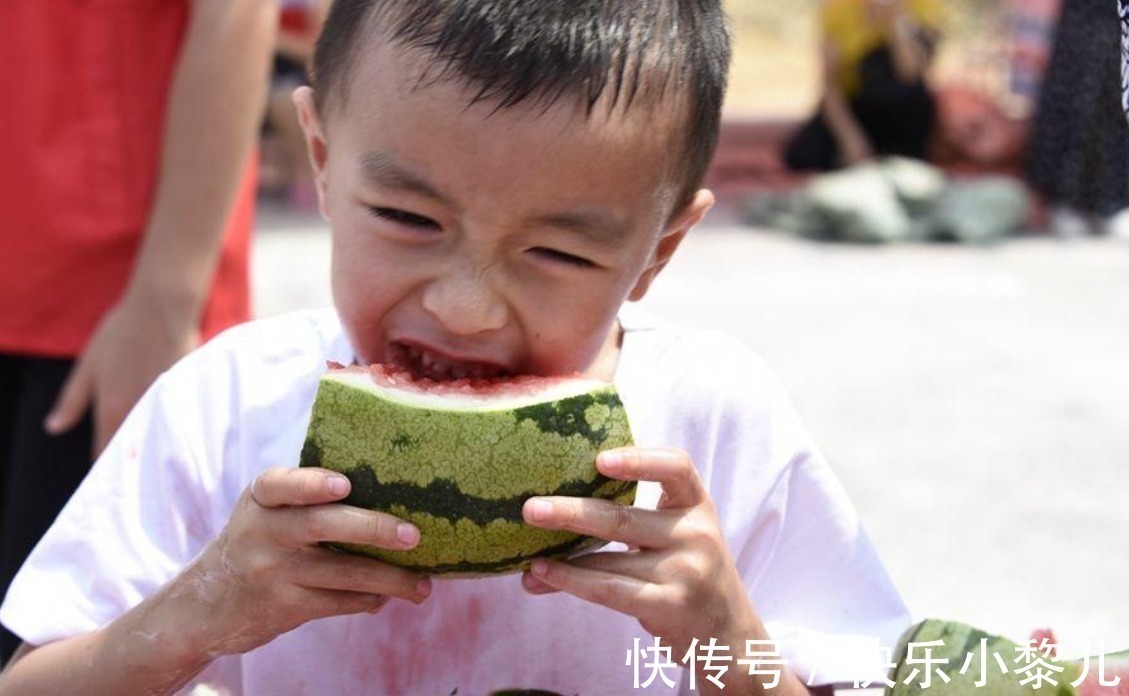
point(481, 241)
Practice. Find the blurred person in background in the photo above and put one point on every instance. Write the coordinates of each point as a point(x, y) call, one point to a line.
point(126, 200)
point(286, 170)
point(875, 100)
point(1123, 11)
point(1078, 153)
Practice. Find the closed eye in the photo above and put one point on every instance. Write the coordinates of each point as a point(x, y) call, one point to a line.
point(562, 257)
point(403, 217)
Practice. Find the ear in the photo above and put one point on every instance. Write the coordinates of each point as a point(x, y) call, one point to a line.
point(671, 238)
point(316, 148)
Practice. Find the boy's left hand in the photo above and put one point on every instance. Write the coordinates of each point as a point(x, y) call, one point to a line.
point(678, 578)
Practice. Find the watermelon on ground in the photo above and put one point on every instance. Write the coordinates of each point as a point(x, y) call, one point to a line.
point(968, 649)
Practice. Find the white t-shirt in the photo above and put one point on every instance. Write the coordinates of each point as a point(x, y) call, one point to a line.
point(241, 404)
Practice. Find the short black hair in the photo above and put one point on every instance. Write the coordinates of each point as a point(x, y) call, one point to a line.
point(626, 52)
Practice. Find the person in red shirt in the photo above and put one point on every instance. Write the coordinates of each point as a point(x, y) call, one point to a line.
point(126, 200)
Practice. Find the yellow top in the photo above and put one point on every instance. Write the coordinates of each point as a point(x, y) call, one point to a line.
point(853, 35)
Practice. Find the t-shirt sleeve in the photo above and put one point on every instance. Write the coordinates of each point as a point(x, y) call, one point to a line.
point(822, 591)
point(138, 517)
point(798, 542)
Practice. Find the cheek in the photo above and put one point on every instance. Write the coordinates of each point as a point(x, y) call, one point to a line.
point(352, 307)
point(569, 339)
point(361, 289)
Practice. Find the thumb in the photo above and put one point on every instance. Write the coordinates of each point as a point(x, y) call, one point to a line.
point(72, 403)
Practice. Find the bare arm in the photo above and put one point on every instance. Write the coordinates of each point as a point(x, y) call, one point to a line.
point(911, 47)
point(146, 651)
point(215, 107)
point(854, 146)
point(265, 574)
point(911, 44)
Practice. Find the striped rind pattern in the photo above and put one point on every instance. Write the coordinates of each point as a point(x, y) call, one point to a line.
point(463, 476)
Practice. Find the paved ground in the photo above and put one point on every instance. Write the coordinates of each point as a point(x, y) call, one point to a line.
point(975, 402)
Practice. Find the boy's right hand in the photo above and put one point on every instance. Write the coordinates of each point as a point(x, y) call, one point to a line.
point(266, 573)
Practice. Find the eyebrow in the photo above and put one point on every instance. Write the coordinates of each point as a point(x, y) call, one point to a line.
point(380, 168)
point(597, 226)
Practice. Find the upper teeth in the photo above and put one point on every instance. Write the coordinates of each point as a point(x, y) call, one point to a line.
point(439, 368)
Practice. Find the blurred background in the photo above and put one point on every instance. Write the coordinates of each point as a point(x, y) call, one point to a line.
point(922, 225)
point(973, 397)
point(776, 66)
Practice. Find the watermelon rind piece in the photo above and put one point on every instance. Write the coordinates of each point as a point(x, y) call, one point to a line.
point(966, 647)
point(461, 469)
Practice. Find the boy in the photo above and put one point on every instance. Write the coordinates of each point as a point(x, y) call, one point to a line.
point(500, 176)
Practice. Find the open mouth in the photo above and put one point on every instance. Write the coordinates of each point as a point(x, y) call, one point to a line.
point(422, 363)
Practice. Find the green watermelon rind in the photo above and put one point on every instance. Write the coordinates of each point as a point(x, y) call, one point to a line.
point(462, 475)
point(961, 640)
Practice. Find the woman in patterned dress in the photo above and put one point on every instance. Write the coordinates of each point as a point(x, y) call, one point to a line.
point(1078, 157)
point(1123, 8)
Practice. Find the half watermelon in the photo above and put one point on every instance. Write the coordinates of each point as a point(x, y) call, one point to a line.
point(458, 459)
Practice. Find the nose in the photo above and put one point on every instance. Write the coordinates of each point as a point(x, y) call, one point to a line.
point(464, 302)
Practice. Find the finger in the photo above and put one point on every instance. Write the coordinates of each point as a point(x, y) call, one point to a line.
point(280, 487)
point(111, 407)
point(107, 420)
point(325, 603)
point(631, 563)
point(325, 569)
point(672, 568)
point(73, 401)
point(632, 596)
point(644, 566)
point(101, 439)
point(347, 524)
point(534, 586)
point(682, 488)
point(602, 519)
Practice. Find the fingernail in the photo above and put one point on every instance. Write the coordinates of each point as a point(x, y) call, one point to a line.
point(337, 485)
point(538, 509)
point(407, 534)
point(539, 568)
point(611, 460)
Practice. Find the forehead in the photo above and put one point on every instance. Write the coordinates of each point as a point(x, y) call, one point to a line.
point(410, 70)
point(396, 94)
